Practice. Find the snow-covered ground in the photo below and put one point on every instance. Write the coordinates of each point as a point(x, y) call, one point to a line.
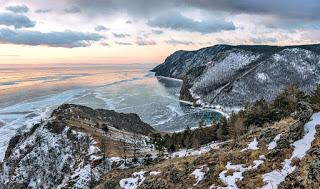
point(199, 174)
point(238, 169)
point(275, 177)
point(133, 182)
point(252, 145)
point(154, 173)
point(273, 143)
point(194, 152)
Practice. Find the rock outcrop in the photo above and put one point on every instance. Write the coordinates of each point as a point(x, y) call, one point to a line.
point(102, 118)
point(232, 76)
point(68, 150)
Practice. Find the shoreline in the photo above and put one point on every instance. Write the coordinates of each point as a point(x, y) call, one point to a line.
point(217, 108)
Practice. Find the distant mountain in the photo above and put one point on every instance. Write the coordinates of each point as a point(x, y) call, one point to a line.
point(231, 76)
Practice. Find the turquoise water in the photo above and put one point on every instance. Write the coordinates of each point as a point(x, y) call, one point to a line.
point(28, 95)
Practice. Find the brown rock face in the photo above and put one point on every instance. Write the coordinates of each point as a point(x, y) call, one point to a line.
point(187, 83)
point(185, 93)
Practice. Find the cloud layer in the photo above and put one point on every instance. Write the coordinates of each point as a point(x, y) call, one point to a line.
point(171, 22)
point(18, 8)
point(16, 20)
point(177, 21)
point(54, 39)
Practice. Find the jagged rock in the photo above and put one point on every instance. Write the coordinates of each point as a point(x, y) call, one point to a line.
point(235, 75)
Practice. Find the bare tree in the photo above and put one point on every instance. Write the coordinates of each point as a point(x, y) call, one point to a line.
point(136, 140)
point(91, 183)
point(124, 147)
point(237, 128)
point(106, 151)
point(85, 148)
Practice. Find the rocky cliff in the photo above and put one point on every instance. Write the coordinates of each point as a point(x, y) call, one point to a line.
point(232, 76)
point(69, 149)
point(101, 118)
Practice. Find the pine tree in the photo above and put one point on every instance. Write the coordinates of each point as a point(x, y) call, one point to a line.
point(287, 101)
point(223, 129)
point(315, 98)
point(158, 143)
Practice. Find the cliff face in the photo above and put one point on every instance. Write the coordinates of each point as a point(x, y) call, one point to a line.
point(232, 76)
point(68, 150)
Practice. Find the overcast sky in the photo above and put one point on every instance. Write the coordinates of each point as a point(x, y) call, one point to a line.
point(146, 31)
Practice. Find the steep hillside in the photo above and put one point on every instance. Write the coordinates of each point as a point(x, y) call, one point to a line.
point(232, 76)
point(72, 149)
point(266, 145)
point(272, 156)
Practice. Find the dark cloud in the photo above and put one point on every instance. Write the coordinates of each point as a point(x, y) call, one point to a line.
point(122, 43)
point(306, 9)
point(67, 39)
point(121, 35)
point(129, 22)
point(16, 20)
point(18, 8)
point(42, 11)
point(136, 8)
point(178, 42)
point(286, 13)
point(72, 10)
point(143, 42)
point(176, 21)
point(100, 28)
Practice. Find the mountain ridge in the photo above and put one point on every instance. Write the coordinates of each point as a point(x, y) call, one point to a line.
point(214, 76)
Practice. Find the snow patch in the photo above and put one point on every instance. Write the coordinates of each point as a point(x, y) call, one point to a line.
point(231, 180)
point(238, 169)
point(275, 177)
point(262, 76)
point(252, 145)
point(154, 173)
point(199, 175)
point(273, 143)
point(194, 152)
point(133, 182)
